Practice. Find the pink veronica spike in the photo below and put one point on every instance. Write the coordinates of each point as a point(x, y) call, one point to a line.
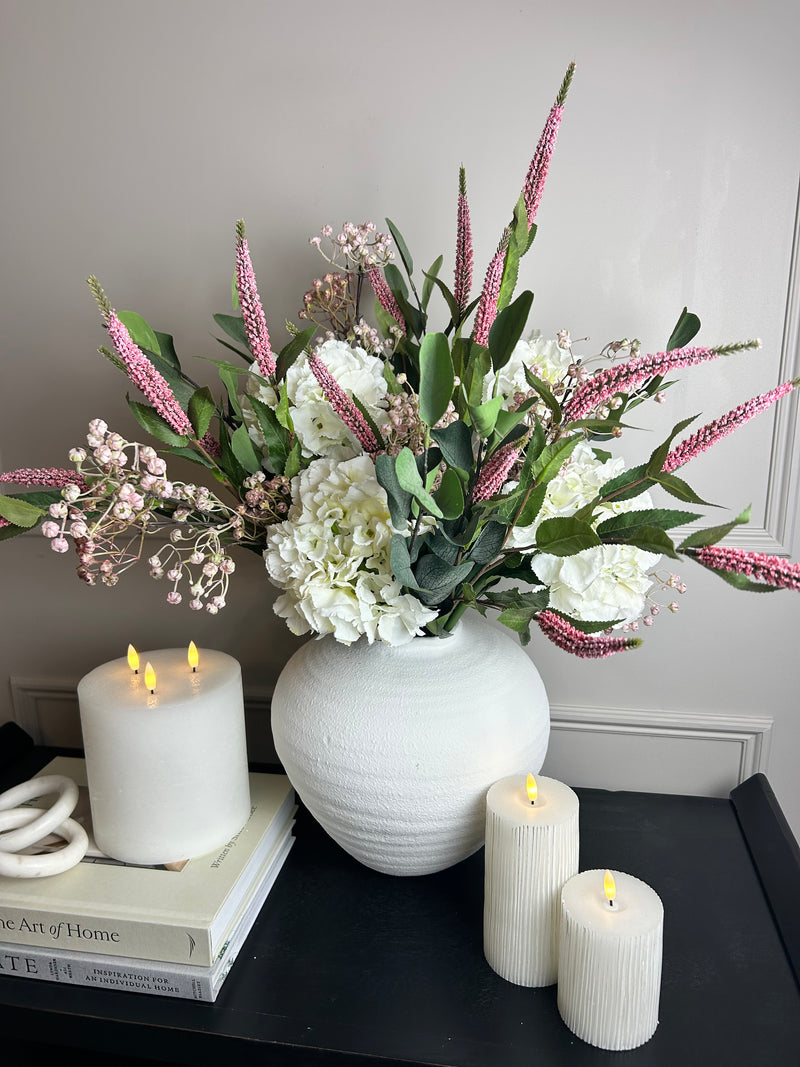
point(623, 377)
point(386, 298)
point(343, 405)
point(714, 431)
point(139, 369)
point(52, 477)
point(255, 324)
point(537, 171)
point(464, 253)
point(495, 473)
point(570, 639)
point(772, 570)
point(487, 306)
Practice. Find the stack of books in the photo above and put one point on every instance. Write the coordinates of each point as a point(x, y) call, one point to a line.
point(171, 930)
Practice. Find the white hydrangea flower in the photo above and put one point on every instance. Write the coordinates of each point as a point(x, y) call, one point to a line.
point(602, 583)
point(331, 558)
point(599, 584)
point(575, 485)
point(320, 430)
point(544, 357)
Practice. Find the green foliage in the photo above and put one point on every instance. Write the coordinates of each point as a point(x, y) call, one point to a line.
point(435, 378)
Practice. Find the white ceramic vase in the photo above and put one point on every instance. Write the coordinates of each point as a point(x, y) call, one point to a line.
point(393, 750)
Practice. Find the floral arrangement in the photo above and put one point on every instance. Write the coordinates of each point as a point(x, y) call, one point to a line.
point(393, 475)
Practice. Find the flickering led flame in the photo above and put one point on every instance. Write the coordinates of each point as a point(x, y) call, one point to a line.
point(150, 677)
point(194, 656)
point(532, 788)
point(609, 887)
point(133, 659)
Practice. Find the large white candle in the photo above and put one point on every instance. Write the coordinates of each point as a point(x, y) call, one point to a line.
point(531, 851)
point(609, 976)
point(167, 769)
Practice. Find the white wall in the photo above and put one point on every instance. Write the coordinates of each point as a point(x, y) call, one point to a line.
point(134, 135)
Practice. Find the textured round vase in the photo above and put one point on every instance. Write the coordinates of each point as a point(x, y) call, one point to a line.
point(393, 750)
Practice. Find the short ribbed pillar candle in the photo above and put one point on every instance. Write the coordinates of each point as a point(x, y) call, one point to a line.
point(531, 851)
point(609, 970)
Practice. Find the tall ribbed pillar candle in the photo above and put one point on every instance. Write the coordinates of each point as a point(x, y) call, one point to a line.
point(609, 971)
point(531, 851)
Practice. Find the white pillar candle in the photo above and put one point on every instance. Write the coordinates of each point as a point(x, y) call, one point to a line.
point(167, 770)
point(609, 975)
point(531, 851)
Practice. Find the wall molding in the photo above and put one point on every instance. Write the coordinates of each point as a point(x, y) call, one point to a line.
point(37, 701)
point(751, 733)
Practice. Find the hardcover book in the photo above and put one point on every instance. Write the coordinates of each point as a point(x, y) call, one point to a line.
point(156, 978)
point(177, 913)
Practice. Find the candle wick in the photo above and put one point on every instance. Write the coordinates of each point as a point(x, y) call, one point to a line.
point(611, 903)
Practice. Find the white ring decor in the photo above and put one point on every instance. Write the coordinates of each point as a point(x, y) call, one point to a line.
point(26, 826)
point(34, 830)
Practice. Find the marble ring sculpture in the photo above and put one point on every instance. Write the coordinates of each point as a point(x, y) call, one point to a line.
point(25, 826)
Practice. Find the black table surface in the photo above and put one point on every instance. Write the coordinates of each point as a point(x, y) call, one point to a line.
point(348, 966)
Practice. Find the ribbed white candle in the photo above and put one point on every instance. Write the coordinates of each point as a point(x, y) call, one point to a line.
point(609, 971)
point(531, 851)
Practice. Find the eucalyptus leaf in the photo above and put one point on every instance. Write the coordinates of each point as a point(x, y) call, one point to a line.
point(400, 562)
point(398, 499)
point(455, 441)
point(489, 543)
point(450, 495)
point(436, 378)
point(438, 578)
point(409, 478)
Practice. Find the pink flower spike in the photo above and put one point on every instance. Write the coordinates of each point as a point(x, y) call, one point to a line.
point(495, 473)
point(772, 570)
point(53, 477)
point(714, 431)
point(623, 377)
point(343, 405)
point(487, 306)
point(569, 639)
point(464, 253)
point(537, 171)
point(386, 298)
point(255, 324)
point(146, 378)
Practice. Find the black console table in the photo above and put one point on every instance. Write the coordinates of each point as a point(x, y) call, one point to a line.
point(348, 966)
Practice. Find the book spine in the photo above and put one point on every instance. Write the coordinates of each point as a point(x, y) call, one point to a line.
point(90, 969)
point(103, 935)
